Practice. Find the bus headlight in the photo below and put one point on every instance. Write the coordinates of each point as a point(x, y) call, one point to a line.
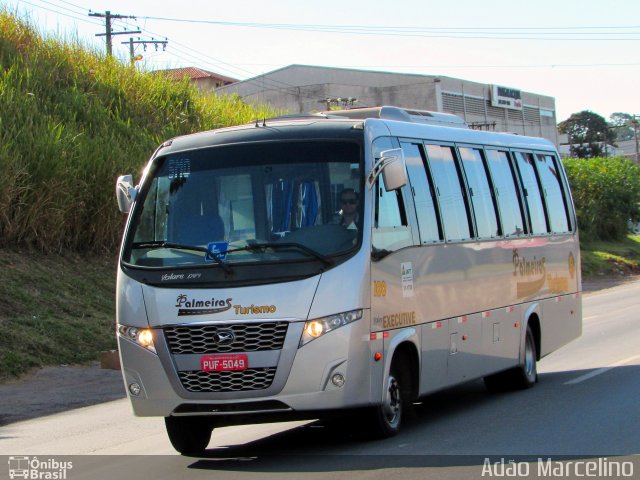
point(319, 326)
point(141, 336)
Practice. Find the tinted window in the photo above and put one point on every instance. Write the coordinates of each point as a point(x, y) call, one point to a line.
point(388, 212)
point(449, 191)
point(423, 194)
point(553, 192)
point(480, 192)
point(390, 230)
point(532, 193)
point(506, 193)
point(233, 196)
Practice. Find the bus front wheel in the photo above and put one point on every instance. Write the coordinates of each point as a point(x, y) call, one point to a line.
point(189, 435)
point(384, 420)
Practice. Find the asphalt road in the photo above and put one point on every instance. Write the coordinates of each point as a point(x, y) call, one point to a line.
point(585, 405)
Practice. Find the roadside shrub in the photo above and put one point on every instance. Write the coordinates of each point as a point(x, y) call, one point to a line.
point(606, 193)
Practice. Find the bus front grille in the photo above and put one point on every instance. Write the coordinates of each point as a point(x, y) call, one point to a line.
point(228, 381)
point(244, 337)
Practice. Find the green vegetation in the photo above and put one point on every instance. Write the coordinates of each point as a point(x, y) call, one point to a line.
point(606, 193)
point(54, 309)
point(611, 258)
point(71, 120)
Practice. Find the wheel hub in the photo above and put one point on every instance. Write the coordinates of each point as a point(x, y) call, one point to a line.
point(392, 401)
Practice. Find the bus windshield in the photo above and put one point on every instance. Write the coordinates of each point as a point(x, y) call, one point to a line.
point(259, 202)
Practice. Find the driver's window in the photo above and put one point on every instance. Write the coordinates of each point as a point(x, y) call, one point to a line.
point(390, 226)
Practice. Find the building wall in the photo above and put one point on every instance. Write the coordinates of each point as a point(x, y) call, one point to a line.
point(299, 89)
point(207, 83)
point(472, 101)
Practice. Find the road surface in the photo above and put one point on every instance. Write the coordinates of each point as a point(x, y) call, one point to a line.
point(586, 405)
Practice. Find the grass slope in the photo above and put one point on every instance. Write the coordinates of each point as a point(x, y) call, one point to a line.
point(71, 121)
point(54, 309)
point(611, 258)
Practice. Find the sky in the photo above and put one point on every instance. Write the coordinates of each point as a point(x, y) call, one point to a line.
point(584, 53)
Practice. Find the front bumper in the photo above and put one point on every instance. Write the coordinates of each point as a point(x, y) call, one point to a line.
point(302, 380)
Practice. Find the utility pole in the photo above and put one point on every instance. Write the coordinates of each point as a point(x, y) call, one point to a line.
point(108, 16)
point(132, 43)
point(634, 122)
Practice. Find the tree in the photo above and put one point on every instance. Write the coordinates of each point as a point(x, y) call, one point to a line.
point(588, 132)
point(606, 193)
point(622, 124)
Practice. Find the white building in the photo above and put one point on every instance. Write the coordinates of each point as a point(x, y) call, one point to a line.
point(302, 88)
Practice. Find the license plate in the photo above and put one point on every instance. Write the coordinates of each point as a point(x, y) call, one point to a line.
point(224, 363)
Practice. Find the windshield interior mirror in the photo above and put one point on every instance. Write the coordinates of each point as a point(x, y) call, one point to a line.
point(394, 172)
point(125, 192)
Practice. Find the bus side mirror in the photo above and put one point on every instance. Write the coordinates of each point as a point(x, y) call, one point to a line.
point(394, 172)
point(125, 192)
point(392, 167)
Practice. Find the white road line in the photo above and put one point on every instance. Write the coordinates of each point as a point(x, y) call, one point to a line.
point(599, 371)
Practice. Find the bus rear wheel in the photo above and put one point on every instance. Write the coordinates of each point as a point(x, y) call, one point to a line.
point(189, 435)
point(521, 377)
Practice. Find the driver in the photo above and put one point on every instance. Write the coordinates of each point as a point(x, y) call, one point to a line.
point(349, 211)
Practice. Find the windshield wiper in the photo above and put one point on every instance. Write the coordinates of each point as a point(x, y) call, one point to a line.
point(193, 248)
point(285, 246)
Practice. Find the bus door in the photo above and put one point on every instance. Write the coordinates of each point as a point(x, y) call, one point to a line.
point(395, 310)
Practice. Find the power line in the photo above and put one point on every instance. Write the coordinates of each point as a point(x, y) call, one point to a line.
point(83, 9)
point(271, 83)
point(292, 89)
point(59, 13)
point(493, 33)
point(514, 29)
point(58, 6)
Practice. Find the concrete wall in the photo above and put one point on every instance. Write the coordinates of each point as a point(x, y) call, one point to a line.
point(299, 88)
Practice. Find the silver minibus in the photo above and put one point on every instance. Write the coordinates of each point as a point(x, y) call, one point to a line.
point(301, 266)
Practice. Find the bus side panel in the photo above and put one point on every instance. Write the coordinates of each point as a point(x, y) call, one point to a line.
point(466, 359)
point(501, 333)
point(435, 354)
point(561, 322)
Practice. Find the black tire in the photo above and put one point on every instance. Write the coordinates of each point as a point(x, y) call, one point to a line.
point(528, 371)
point(384, 421)
point(521, 377)
point(189, 435)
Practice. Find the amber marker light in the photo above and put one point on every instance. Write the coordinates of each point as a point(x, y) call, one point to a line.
point(377, 356)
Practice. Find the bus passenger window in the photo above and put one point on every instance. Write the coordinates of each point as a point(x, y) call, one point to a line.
point(480, 192)
point(449, 192)
point(532, 194)
point(423, 195)
point(553, 193)
point(507, 197)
